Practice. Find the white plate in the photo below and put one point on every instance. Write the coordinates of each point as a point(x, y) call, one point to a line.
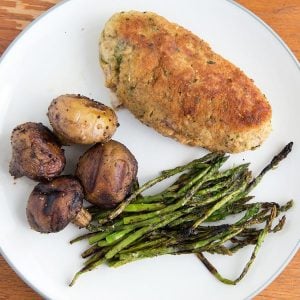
point(59, 54)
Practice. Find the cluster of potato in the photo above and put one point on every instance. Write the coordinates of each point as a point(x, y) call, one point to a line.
point(104, 175)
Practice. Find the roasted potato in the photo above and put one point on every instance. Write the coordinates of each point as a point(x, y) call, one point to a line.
point(52, 205)
point(107, 172)
point(79, 120)
point(36, 152)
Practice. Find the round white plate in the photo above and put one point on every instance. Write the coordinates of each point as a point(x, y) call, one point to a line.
point(58, 54)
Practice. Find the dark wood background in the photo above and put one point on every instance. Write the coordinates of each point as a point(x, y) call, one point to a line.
point(282, 15)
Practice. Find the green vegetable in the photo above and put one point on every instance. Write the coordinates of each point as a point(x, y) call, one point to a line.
point(179, 219)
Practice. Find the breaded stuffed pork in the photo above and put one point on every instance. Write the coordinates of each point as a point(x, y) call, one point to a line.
point(172, 80)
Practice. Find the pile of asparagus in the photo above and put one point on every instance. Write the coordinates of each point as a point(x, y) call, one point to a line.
point(178, 220)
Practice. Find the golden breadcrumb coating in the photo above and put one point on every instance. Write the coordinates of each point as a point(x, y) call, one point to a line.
point(171, 80)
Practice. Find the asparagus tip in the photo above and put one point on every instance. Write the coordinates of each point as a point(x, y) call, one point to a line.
point(282, 154)
point(287, 206)
point(280, 224)
point(289, 146)
point(74, 279)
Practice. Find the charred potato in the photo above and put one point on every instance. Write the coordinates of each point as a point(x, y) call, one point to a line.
point(36, 152)
point(51, 206)
point(107, 172)
point(79, 120)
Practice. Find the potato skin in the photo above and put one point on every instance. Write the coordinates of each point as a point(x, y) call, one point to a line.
point(51, 206)
point(36, 152)
point(79, 120)
point(107, 172)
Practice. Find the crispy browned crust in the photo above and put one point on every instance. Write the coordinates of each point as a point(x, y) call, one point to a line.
point(172, 81)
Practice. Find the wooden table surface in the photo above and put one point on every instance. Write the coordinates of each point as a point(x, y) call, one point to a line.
point(282, 15)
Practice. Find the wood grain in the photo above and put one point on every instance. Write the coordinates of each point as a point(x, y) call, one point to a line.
point(282, 15)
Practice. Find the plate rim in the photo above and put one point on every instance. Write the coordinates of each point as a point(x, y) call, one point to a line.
point(232, 2)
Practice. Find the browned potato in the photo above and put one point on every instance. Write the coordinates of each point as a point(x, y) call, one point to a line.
point(107, 172)
point(51, 206)
point(36, 152)
point(79, 120)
